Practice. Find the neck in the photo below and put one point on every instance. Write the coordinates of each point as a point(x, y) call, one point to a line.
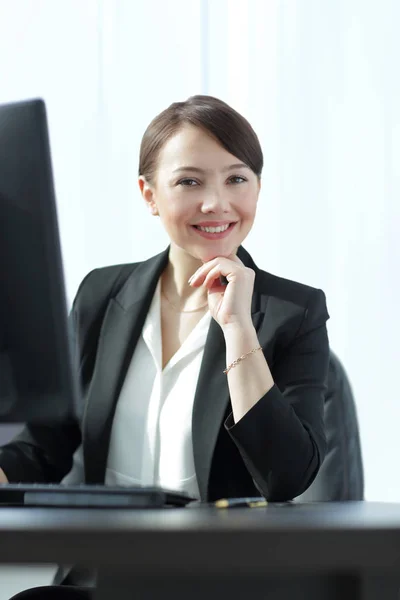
point(180, 268)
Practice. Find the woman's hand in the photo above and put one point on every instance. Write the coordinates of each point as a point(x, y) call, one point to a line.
point(3, 478)
point(230, 305)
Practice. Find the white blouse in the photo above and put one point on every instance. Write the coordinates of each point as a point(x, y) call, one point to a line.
point(151, 436)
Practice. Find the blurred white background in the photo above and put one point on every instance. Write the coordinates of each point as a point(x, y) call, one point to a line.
point(319, 82)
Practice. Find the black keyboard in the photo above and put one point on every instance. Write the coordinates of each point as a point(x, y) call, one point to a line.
point(89, 496)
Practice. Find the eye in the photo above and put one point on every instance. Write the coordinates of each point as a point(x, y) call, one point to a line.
point(235, 179)
point(188, 182)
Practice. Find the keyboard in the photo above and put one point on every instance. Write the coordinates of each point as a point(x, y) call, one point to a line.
point(89, 496)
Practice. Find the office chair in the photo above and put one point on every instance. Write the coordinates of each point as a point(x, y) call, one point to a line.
point(341, 476)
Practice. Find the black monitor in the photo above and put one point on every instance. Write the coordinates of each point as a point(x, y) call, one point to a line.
point(37, 378)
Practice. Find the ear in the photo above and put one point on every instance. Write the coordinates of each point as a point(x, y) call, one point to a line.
point(147, 192)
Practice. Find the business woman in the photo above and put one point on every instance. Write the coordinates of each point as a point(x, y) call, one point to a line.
point(200, 372)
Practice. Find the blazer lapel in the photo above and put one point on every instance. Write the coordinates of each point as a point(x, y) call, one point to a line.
point(121, 329)
point(212, 393)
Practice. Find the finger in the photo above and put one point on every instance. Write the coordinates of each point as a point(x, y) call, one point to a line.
point(198, 276)
point(214, 276)
point(223, 280)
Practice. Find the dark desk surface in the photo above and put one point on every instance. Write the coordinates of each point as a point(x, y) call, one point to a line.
point(309, 536)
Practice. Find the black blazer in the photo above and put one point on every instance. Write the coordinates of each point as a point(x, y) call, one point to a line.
point(277, 447)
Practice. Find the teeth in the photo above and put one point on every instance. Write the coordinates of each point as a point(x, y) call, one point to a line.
point(214, 229)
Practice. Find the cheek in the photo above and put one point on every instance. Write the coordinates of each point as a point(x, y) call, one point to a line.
point(175, 211)
point(247, 207)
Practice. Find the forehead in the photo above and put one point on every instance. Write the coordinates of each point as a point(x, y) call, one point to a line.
point(194, 146)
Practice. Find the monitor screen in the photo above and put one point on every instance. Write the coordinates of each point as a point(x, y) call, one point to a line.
point(37, 382)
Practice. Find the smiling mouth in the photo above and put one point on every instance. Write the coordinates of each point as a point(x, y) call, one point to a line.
point(220, 229)
point(214, 233)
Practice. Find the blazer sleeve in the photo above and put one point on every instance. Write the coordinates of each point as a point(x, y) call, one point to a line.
point(282, 437)
point(42, 454)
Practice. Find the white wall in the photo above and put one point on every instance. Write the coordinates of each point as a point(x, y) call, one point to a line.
point(104, 68)
point(320, 83)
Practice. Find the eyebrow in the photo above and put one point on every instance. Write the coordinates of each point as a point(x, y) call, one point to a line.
point(198, 170)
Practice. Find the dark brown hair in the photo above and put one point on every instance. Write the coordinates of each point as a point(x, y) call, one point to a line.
point(225, 124)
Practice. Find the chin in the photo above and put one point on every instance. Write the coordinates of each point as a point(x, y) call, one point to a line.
point(207, 254)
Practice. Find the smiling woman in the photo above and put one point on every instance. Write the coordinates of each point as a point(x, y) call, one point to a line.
point(206, 199)
point(193, 201)
point(200, 372)
point(191, 177)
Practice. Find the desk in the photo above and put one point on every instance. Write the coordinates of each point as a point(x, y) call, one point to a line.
point(330, 551)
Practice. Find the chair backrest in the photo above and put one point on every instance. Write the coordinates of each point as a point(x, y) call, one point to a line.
point(341, 476)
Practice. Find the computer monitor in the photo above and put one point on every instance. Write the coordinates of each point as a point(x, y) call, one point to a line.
point(37, 377)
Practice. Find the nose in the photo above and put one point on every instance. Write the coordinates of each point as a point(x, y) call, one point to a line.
point(215, 201)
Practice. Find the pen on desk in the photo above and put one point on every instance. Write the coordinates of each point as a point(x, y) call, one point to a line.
point(240, 502)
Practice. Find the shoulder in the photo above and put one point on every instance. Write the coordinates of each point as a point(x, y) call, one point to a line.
point(301, 305)
point(109, 280)
point(102, 283)
point(285, 296)
point(286, 291)
point(123, 280)
point(93, 296)
point(283, 289)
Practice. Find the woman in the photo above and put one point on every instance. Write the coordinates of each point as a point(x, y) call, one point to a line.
point(200, 372)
